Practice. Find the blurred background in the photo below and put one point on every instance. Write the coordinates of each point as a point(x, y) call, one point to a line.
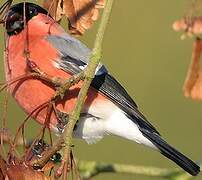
point(143, 52)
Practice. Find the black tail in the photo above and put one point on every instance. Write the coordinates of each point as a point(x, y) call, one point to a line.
point(171, 153)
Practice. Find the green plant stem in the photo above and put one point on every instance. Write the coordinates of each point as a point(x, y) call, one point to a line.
point(89, 169)
point(89, 75)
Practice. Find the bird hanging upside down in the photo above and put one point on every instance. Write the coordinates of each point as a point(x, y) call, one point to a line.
point(108, 108)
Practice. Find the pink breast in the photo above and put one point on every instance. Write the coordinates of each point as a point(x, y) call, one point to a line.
point(31, 93)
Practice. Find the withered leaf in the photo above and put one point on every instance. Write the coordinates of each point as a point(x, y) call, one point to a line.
point(80, 13)
point(3, 168)
point(6, 137)
point(54, 8)
point(19, 172)
point(192, 26)
point(193, 82)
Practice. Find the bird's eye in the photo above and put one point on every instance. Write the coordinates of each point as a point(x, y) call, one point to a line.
point(16, 17)
point(32, 11)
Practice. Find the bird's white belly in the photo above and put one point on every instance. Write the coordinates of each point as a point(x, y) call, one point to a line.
point(91, 129)
point(107, 118)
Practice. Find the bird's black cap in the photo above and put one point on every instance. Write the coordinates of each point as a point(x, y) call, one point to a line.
point(14, 19)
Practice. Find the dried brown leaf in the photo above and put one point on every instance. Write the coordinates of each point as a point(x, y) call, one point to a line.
point(7, 137)
point(19, 172)
point(3, 168)
point(196, 92)
point(80, 13)
point(189, 26)
point(193, 82)
point(54, 8)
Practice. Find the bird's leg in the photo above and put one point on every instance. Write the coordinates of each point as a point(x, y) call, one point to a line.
point(62, 118)
point(47, 121)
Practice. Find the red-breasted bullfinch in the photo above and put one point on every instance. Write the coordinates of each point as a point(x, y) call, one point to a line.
point(108, 108)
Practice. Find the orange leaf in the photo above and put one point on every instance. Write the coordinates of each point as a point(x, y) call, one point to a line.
point(191, 26)
point(80, 13)
point(193, 82)
point(19, 172)
point(54, 8)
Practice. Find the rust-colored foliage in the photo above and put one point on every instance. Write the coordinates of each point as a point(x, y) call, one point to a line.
point(23, 172)
point(191, 26)
point(193, 83)
point(16, 170)
point(80, 13)
point(7, 137)
point(21, 169)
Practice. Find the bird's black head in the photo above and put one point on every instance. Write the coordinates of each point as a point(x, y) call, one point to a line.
point(14, 20)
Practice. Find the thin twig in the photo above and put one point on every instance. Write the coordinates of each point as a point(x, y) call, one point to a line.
point(89, 75)
point(89, 169)
point(64, 86)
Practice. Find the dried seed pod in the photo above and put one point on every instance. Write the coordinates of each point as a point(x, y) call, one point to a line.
point(193, 82)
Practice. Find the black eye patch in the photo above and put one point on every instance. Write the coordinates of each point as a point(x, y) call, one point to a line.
point(13, 16)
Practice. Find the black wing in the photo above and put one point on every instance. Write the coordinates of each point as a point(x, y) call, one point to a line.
point(111, 88)
point(74, 57)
